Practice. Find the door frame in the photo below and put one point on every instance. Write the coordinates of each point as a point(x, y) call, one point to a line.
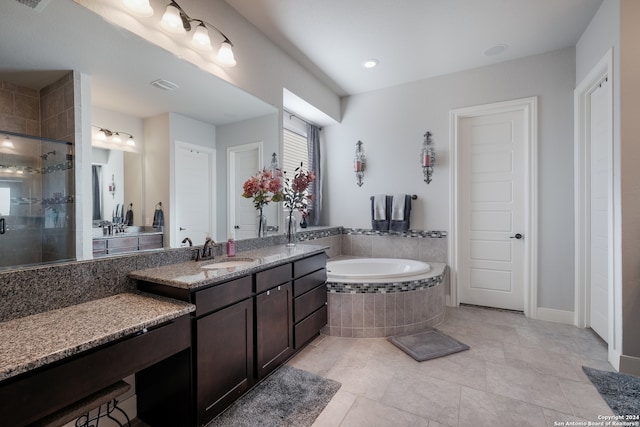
point(231, 173)
point(602, 70)
point(211, 154)
point(529, 108)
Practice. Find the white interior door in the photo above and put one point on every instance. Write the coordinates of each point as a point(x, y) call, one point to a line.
point(491, 210)
point(194, 193)
point(599, 201)
point(243, 162)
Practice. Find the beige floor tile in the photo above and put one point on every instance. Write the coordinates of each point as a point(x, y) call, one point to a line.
point(456, 368)
point(555, 418)
point(526, 385)
point(480, 409)
point(336, 410)
point(363, 376)
point(424, 396)
point(370, 413)
point(585, 400)
point(480, 348)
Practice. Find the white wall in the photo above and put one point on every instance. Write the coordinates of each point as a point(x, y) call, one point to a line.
point(391, 124)
point(265, 129)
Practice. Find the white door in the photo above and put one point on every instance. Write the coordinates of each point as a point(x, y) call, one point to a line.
point(194, 193)
point(491, 210)
point(243, 163)
point(599, 194)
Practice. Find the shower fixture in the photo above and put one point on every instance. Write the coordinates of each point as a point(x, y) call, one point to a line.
point(45, 155)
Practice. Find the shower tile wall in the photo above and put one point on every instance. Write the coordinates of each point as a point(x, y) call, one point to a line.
point(19, 109)
point(57, 109)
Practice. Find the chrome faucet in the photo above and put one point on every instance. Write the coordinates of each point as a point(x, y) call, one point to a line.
point(185, 240)
point(208, 249)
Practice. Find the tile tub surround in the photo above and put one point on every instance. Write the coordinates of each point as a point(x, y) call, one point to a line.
point(381, 310)
point(41, 339)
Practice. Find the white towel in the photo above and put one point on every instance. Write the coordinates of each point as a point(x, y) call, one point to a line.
point(380, 207)
point(397, 207)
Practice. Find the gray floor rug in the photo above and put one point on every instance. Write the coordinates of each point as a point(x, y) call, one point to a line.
point(289, 397)
point(620, 391)
point(429, 344)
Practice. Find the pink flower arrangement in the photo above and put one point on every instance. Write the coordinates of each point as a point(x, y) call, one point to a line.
point(295, 193)
point(263, 188)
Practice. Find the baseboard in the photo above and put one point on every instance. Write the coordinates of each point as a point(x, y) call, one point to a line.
point(630, 365)
point(553, 315)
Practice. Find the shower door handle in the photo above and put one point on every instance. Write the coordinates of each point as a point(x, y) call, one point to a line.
point(3, 226)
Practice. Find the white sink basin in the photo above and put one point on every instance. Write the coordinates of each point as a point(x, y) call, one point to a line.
point(228, 264)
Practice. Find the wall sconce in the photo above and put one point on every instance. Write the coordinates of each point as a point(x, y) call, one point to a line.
point(176, 21)
point(7, 143)
point(112, 186)
point(428, 157)
point(106, 135)
point(273, 166)
point(359, 163)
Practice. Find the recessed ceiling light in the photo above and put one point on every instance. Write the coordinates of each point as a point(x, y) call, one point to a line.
point(495, 50)
point(370, 63)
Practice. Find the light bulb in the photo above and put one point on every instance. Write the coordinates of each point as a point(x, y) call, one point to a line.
point(7, 143)
point(101, 135)
point(116, 138)
point(131, 142)
point(225, 55)
point(139, 7)
point(171, 20)
point(201, 38)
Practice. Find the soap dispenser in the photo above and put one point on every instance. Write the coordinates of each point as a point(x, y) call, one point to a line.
point(231, 246)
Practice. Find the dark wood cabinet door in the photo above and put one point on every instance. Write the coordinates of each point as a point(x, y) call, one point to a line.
point(224, 368)
point(274, 328)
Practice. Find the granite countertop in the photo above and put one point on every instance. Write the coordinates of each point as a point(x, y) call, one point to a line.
point(31, 342)
point(192, 275)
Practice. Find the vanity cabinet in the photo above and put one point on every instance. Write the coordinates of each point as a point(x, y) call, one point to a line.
point(309, 298)
point(224, 353)
point(245, 328)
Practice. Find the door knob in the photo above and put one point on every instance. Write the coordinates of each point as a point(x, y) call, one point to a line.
point(517, 236)
point(237, 227)
point(182, 229)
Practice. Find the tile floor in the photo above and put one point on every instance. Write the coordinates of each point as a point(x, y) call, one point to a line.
point(518, 372)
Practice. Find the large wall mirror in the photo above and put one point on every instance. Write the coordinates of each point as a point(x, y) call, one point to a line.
point(120, 67)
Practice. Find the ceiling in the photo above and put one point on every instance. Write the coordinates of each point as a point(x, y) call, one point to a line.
point(412, 39)
point(40, 46)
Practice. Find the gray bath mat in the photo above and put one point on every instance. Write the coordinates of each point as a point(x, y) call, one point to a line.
point(620, 391)
point(428, 344)
point(289, 397)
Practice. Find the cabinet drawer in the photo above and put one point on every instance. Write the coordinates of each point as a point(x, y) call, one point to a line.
point(153, 239)
point(309, 327)
point(124, 242)
point(308, 303)
point(219, 296)
point(307, 265)
point(273, 277)
point(99, 245)
point(308, 282)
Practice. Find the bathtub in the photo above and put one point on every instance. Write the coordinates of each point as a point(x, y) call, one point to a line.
point(376, 270)
point(380, 297)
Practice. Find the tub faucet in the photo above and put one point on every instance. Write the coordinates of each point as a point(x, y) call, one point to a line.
point(207, 249)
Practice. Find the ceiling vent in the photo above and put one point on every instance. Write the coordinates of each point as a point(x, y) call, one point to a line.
point(37, 5)
point(164, 84)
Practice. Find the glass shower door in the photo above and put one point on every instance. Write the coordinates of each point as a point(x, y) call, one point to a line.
point(37, 208)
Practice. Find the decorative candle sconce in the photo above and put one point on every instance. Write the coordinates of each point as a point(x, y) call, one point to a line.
point(273, 167)
point(428, 157)
point(359, 163)
point(112, 186)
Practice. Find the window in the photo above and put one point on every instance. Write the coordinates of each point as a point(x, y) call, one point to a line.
point(294, 151)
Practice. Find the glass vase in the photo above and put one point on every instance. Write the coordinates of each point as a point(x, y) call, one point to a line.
point(261, 224)
point(291, 225)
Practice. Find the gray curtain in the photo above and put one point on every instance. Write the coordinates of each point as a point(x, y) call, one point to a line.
point(313, 146)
